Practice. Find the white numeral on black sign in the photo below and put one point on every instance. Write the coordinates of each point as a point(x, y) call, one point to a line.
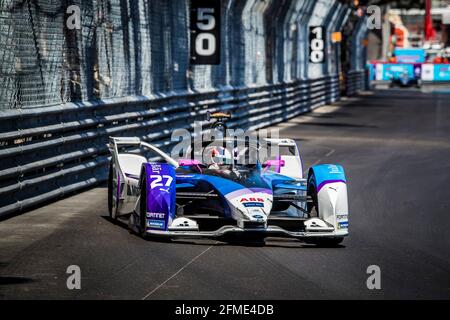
point(205, 44)
point(205, 18)
point(317, 45)
point(205, 31)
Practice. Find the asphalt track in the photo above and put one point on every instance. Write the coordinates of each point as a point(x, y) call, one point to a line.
point(395, 146)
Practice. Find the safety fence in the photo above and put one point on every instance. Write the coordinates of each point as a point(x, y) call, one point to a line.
point(355, 81)
point(52, 151)
point(126, 72)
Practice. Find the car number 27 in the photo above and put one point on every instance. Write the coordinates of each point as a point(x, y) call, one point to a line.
point(160, 181)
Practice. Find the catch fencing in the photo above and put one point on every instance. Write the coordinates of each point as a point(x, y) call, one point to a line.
point(126, 72)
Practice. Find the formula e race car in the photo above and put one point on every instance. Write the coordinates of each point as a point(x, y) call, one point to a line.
point(223, 191)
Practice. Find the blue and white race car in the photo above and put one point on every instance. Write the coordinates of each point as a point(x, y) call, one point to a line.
point(223, 195)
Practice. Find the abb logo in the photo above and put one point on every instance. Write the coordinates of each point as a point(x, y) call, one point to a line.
point(252, 200)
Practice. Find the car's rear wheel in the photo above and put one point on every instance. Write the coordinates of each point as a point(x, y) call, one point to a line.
point(112, 190)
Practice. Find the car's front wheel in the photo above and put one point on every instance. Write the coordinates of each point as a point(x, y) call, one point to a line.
point(312, 205)
point(313, 211)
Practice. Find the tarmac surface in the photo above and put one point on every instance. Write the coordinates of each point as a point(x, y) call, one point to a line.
point(395, 147)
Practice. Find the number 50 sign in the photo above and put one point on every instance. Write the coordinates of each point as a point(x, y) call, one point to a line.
point(205, 31)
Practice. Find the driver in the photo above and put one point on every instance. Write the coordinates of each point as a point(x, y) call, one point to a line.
point(219, 157)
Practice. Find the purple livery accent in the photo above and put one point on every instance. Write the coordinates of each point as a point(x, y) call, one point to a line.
point(278, 163)
point(262, 190)
point(247, 191)
point(323, 183)
point(161, 193)
point(188, 162)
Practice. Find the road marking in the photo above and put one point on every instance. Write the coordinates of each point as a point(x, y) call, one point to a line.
point(330, 153)
point(178, 272)
point(316, 162)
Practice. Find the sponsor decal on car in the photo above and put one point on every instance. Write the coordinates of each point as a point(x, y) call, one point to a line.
point(185, 176)
point(156, 224)
point(156, 215)
point(342, 225)
point(252, 202)
point(342, 217)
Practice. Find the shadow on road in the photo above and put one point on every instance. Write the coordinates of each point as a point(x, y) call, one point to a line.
point(344, 125)
point(14, 280)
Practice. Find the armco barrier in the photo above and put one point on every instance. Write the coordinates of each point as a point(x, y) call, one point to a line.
point(47, 152)
point(355, 81)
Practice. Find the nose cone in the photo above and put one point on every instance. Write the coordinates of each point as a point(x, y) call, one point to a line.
point(253, 205)
point(256, 214)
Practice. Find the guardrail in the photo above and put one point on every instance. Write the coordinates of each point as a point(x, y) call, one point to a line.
point(355, 82)
point(48, 152)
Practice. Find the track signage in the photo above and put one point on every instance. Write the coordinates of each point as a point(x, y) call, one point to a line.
point(205, 32)
point(316, 44)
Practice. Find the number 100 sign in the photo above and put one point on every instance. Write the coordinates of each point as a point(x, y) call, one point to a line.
point(205, 32)
point(316, 44)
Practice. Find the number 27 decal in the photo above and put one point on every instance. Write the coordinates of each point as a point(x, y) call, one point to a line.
point(160, 181)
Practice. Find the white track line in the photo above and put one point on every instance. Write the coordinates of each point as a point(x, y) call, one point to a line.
point(330, 153)
point(176, 273)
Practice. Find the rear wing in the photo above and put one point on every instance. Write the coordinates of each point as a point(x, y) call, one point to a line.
point(289, 143)
point(288, 152)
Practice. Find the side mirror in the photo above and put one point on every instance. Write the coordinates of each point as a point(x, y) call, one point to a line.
point(274, 163)
point(188, 162)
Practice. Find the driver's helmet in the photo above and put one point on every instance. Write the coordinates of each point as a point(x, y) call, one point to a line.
point(221, 156)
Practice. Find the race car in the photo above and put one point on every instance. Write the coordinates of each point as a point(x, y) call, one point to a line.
point(226, 190)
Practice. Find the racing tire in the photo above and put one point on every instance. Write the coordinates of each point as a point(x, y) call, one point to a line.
point(312, 206)
point(313, 211)
point(112, 207)
point(142, 223)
